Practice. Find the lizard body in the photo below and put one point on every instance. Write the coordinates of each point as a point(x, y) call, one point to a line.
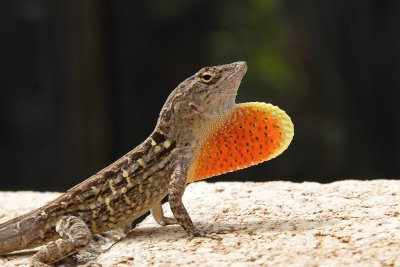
point(201, 132)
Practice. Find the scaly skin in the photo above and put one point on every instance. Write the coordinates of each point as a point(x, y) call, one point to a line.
point(201, 132)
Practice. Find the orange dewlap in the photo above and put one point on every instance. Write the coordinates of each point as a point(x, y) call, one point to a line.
point(252, 133)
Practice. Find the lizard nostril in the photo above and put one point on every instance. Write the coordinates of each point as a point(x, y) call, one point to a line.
point(193, 107)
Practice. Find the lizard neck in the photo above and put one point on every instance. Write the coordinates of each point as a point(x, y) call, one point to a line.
point(190, 130)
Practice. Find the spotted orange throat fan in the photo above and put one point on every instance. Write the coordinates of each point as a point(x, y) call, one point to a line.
point(250, 134)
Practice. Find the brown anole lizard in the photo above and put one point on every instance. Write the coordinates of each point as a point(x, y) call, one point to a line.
point(201, 132)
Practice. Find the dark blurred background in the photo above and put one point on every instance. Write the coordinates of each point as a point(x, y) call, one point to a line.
point(82, 82)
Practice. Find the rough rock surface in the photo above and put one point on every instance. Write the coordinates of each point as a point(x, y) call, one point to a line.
point(346, 223)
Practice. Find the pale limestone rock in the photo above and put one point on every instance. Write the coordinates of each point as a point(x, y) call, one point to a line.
point(346, 223)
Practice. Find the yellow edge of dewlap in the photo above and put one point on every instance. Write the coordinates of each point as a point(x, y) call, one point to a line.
point(285, 122)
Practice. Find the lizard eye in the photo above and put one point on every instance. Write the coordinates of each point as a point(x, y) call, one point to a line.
point(206, 77)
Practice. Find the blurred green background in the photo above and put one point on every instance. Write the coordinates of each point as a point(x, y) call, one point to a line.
point(82, 82)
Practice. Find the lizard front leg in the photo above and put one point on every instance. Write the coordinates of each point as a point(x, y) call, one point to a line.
point(176, 188)
point(75, 235)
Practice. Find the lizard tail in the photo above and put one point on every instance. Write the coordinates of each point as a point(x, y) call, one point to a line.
point(20, 233)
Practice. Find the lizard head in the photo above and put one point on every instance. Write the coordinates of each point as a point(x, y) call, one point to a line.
point(213, 89)
point(203, 97)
